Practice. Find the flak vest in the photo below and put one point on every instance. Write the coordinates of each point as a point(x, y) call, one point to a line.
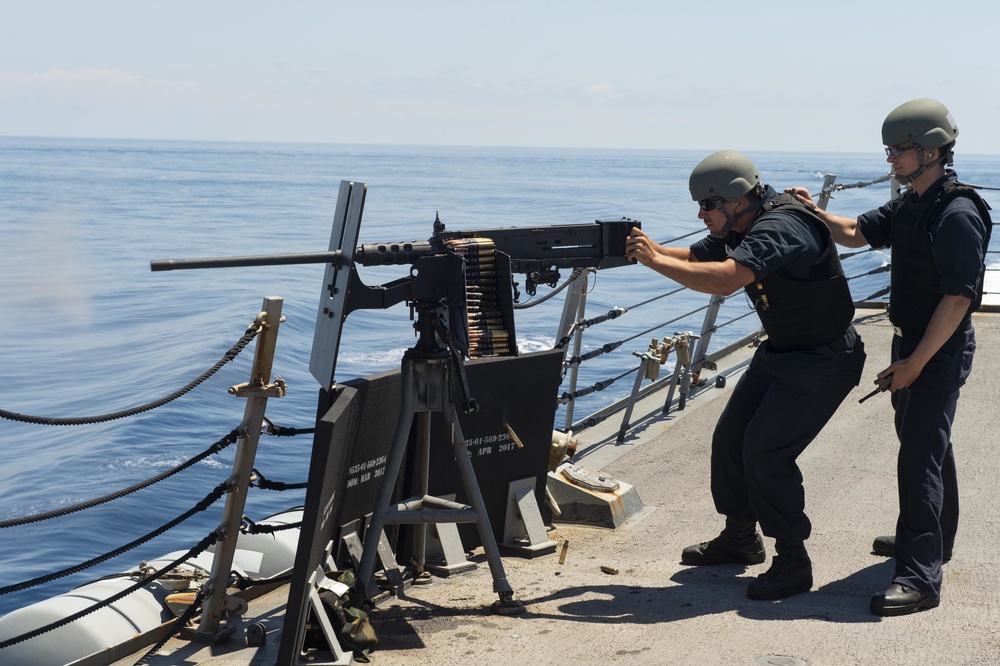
point(803, 314)
point(915, 282)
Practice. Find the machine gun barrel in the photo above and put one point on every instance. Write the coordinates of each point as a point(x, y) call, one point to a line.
point(331, 257)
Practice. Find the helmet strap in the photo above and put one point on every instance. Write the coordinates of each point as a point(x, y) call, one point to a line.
point(924, 166)
point(754, 206)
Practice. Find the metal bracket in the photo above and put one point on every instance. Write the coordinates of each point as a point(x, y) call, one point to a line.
point(277, 389)
point(339, 656)
point(524, 531)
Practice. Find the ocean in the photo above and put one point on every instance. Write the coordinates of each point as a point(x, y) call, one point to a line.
point(88, 329)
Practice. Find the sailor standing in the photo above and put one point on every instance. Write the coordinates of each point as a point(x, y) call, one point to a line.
point(938, 231)
point(783, 256)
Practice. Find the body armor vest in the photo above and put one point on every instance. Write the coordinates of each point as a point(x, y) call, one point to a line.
point(915, 283)
point(802, 314)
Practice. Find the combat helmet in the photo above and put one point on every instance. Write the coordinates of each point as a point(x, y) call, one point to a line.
point(728, 174)
point(925, 122)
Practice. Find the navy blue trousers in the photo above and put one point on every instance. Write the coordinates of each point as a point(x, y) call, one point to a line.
point(928, 485)
point(777, 408)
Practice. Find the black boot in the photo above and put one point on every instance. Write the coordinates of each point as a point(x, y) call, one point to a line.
point(901, 600)
point(790, 573)
point(739, 543)
point(886, 546)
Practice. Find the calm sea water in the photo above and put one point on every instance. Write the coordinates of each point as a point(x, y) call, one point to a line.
point(88, 329)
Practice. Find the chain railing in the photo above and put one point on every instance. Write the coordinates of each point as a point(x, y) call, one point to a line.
point(244, 476)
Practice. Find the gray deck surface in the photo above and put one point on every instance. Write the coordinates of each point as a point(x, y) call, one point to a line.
point(657, 611)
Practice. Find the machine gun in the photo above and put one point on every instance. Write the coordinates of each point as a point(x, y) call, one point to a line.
point(538, 252)
point(457, 278)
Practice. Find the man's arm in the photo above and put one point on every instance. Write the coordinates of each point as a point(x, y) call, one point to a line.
point(711, 277)
point(845, 230)
point(946, 318)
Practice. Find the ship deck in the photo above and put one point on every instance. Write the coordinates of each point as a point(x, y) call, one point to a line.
point(657, 611)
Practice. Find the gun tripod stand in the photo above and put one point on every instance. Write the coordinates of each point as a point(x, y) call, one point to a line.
point(427, 371)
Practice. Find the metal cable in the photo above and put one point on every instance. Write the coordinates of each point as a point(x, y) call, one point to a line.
point(178, 624)
point(250, 527)
point(874, 271)
point(650, 330)
point(734, 319)
point(674, 240)
point(611, 346)
point(243, 583)
point(194, 552)
point(599, 386)
point(982, 187)
point(87, 420)
point(209, 499)
point(232, 437)
point(613, 313)
point(877, 294)
point(584, 324)
point(283, 431)
point(837, 187)
point(848, 255)
point(264, 484)
point(656, 298)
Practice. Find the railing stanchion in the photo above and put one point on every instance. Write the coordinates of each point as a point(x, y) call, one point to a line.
point(708, 326)
point(678, 368)
point(571, 306)
point(640, 374)
point(579, 290)
point(257, 392)
point(824, 195)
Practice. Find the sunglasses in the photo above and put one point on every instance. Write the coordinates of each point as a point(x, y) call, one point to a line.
point(710, 203)
point(896, 151)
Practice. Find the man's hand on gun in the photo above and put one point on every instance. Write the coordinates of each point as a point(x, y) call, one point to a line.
point(882, 384)
point(639, 247)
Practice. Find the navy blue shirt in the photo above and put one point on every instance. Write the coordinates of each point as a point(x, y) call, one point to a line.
point(957, 244)
point(776, 241)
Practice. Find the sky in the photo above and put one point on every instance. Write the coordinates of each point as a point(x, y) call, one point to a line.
point(697, 74)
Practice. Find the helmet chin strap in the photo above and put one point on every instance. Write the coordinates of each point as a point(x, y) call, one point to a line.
point(910, 177)
point(731, 218)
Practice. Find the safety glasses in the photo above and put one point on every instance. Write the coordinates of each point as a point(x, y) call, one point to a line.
point(896, 151)
point(710, 203)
